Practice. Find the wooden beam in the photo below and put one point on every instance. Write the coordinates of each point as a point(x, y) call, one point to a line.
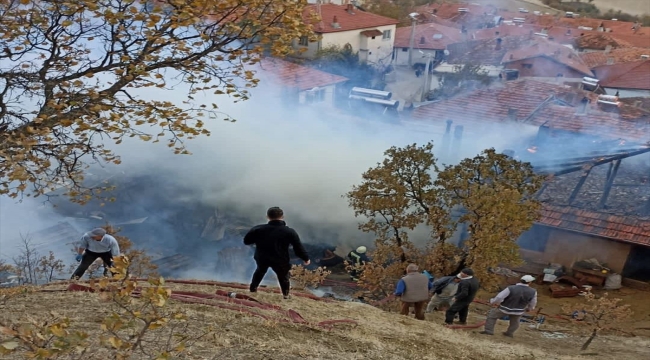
point(608, 184)
point(581, 182)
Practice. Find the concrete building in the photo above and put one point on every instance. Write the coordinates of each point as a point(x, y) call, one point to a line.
point(371, 35)
point(430, 40)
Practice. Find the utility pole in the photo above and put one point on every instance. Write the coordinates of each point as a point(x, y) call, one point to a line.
point(414, 20)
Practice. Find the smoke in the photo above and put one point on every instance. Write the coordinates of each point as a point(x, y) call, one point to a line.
point(301, 158)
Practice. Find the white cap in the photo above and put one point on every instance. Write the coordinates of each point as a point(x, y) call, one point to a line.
point(527, 278)
point(361, 249)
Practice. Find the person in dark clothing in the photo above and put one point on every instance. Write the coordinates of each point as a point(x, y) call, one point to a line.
point(357, 257)
point(272, 241)
point(467, 289)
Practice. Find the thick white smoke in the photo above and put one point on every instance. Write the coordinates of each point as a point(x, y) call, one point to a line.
point(301, 158)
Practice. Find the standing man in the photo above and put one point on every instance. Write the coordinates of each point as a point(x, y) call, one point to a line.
point(443, 291)
point(467, 289)
point(272, 242)
point(357, 257)
point(513, 302)
point(96, 244)
point(413, 290)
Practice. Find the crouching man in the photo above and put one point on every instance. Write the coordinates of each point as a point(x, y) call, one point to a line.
point(96, 244)
point(413, 290)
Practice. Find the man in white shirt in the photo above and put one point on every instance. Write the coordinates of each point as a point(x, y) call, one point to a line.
point(95, 244)
point(513, 302)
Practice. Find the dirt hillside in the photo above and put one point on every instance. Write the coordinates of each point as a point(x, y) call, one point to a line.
point(377, 334)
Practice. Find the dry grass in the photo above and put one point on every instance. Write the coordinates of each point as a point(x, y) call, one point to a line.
point(379, 335)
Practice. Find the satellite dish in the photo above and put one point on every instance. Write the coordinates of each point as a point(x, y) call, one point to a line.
point(446, 52)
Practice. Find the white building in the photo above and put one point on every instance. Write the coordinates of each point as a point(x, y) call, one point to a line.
point(301, 84)
point(370, 35)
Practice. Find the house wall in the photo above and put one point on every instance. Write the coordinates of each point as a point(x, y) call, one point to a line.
point(328, 97)
point(625, 93)
point(542, 67)
point(401, 56)
point(378, 50)
point(566, 248)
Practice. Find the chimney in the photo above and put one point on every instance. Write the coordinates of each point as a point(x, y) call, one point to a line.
point(512, 56)
point(422, 40)
point(435, 11)
point(498, 45)
point(335, 23)
point(608, 48)
point(610, 61)
point(496, 33)
point(568, 32)
point(350, 8)
point(512, 114)
point(582, 108)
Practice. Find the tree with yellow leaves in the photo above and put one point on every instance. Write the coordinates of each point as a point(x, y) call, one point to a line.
point(70, 71)
point(492, 192)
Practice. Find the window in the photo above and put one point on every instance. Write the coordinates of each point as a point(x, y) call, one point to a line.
point(304, 41)
point(386, 35)
point(527, 66)
point(405, 49)
point(560, 75)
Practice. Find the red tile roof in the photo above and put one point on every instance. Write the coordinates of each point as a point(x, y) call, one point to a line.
point(478, 16)
point(428, 36)
point(294, 75)
point(628, 229)
point(631, 75)
point(628, 123)
point(484, 108)
point(492, 104)
point(356, 20)
point(551, 50)
point(485, 51)
point(599, 41)
point(622, 55)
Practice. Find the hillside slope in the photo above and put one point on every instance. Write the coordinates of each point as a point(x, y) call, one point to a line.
point(377, 334)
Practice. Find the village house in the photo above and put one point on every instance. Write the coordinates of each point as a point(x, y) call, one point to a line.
point(546, 59)
point(625, 79)
point(485, 52)
point(608, 216)
point(429, 41)
point(301, 84)
point(370, 35)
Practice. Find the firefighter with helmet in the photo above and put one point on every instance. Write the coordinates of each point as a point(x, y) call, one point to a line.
point(356, 258)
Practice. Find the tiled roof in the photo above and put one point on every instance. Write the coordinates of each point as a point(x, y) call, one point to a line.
point(549, 49)
point(623, 27)
point(599, 41)
point(599, 58)
point(557, 34)
point(637, 102)
point(478, 15)
point(622, 228)
point(492, 104)
point(428, 36)
point(356, 20)
point(630, 75)
point(628, 123)
point(485, 51)
point(489, 106)
point(294, 75)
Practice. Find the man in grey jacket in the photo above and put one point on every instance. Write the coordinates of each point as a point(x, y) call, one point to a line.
point(513, 302)
point(96, 244)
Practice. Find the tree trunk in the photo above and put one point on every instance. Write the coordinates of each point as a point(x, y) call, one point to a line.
point(588, 342)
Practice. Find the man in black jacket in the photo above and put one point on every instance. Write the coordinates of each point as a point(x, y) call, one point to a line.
point(467, 289)
point(272, 242)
